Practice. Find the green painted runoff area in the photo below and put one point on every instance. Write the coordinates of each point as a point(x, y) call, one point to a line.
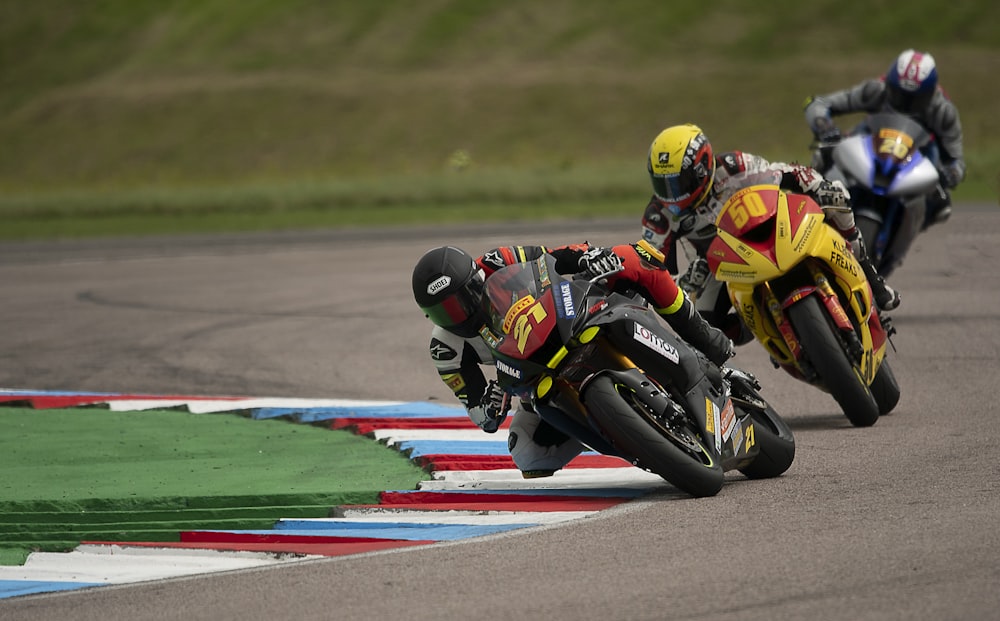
point(90, 474)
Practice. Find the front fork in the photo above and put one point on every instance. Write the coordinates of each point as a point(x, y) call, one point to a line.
point(828, 297)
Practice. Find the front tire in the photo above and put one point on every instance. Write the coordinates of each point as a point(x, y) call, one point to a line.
point(631, 418)
point(772, 435)
point(840, 376)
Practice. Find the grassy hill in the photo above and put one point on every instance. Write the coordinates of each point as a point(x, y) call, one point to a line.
point(271, 113)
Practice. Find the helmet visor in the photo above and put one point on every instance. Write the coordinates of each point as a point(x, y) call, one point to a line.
point(676, 190)
point(903, 101)
point(458, 311)
point(668, 187)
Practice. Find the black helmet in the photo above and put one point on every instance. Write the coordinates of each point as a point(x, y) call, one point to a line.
point(448, 287)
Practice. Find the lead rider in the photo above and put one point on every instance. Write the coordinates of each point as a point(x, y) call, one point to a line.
point(448, 285)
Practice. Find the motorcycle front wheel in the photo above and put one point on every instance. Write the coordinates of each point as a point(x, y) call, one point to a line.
point(632, 417)
point(840, 376)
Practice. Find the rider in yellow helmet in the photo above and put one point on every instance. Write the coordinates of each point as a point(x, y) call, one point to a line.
point(689, 189)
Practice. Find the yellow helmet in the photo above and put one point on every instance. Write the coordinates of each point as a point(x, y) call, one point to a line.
point(681, 166)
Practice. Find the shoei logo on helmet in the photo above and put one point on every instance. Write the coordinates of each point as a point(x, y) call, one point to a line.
point(438, 285)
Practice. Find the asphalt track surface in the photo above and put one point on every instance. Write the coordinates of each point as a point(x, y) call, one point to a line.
point(897, 521)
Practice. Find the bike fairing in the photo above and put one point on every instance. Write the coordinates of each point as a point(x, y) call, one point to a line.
point(521, 325)
point(890, 180)
point(458, 358)
point(547, 353)
point(663, 229)
point(765, 234)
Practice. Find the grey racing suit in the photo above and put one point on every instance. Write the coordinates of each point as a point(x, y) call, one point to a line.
point(940, 116)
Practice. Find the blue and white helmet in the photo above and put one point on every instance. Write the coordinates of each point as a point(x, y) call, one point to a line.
point(911, 81)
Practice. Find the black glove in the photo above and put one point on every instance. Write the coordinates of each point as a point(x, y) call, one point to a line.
point(492, 409)
point(600, 262)
point(953, 173)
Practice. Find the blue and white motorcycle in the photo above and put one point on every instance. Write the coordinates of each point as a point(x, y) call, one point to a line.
point(886, 166)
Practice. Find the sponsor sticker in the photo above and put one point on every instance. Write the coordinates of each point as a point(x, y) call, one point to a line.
point(737, 437)
point(507, 369)
point(807, 233)
point(717, 424)
point(728, 420)
point(654, 342)
point(710, 425)
point(454, 381)
point(492, 340)
point(567, 310)
point(515, 310)
point(596, 308)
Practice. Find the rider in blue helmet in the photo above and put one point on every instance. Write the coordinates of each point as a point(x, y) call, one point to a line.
point(910, 86)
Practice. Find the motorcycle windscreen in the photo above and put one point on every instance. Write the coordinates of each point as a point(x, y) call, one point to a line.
point(744, 250)
point(521, 307)
point(748, 209)
point(527, 326)
point(887, 160)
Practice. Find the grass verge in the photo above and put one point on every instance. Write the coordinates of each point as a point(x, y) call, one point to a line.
point(93, 474)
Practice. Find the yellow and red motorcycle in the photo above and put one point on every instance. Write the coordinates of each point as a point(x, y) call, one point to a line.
point(796, 285)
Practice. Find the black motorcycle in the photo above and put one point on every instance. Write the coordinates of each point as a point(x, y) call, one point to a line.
point(603, 368)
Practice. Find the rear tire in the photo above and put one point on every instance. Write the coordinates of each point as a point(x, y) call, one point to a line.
point(840, 376)
point(629, 419)
point(885, 388)
point(869, 230)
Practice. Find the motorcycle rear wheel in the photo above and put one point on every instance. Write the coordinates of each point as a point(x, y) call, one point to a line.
point(840, 376)
point(631, 419)
point(885, 388)
point(869, 230)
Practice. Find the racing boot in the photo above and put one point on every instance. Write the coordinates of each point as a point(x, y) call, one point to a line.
point(693, 328)
point(886, 298)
